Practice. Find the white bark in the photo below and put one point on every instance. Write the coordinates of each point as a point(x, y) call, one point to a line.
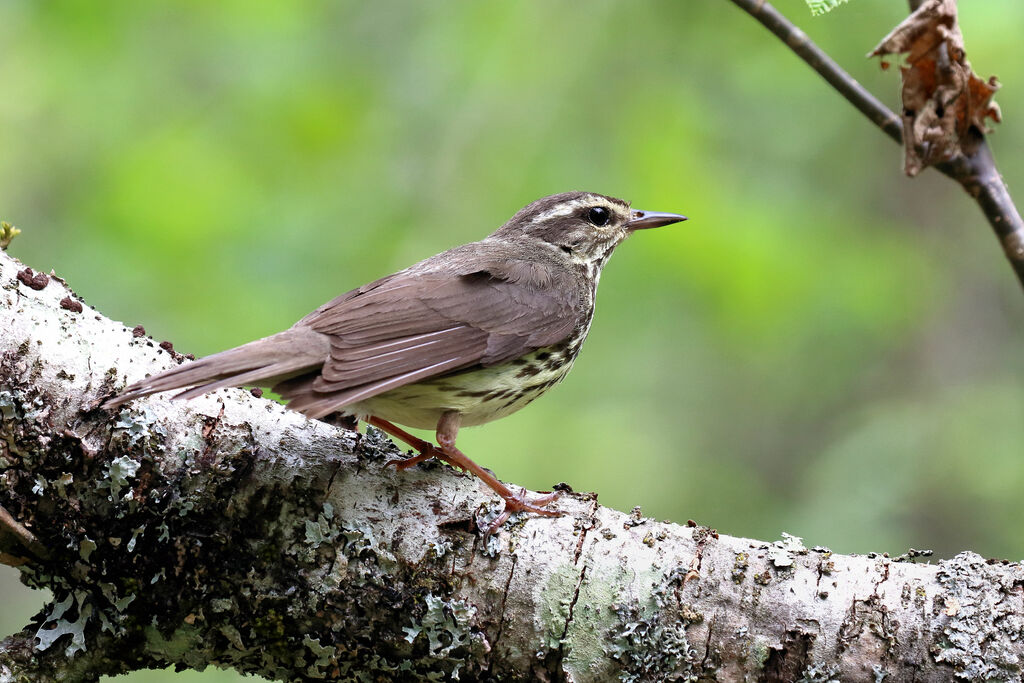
point(229, 531)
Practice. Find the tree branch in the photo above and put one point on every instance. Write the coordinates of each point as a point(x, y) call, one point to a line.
point(975, 170)
point(228, 531)
point(826, 67)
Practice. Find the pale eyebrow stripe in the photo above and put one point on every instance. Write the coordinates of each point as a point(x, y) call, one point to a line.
point(567, 209)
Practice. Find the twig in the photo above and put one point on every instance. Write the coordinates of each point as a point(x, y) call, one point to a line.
point(804, 47)
point(976, 172)
point(12, 560)
point(24, 536)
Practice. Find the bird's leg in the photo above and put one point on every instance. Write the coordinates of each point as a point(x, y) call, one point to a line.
point(426, 449)
point(447, 430)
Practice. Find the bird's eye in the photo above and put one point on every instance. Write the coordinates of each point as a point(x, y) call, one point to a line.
point(598, 215)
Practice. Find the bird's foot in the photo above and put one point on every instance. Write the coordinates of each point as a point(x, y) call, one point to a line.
point(427, 450)
point(518, 502)
point(405, 463)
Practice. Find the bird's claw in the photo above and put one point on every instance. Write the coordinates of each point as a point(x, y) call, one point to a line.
point(520, 503)
point(405, 463)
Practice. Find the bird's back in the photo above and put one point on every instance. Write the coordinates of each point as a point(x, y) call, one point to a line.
point(459, 331)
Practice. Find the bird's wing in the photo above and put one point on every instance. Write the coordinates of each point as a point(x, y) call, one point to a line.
point(428, 322)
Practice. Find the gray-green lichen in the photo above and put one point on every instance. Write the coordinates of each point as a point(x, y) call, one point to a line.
point(321, 529)
point(981, 627)
point(649, 638)
point(756, 649)
point(821, 673)
point(113, 595)
point(64, 624)
point(140, 429)
point(85, 548)
point(782, 553)
point(446, 625)
point(8, 408)
point(119, 471)
point(557, 600)
point(648, 648)
point(323, 655)
point(184, 644)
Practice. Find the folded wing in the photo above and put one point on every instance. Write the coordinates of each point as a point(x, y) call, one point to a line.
point(425, 323)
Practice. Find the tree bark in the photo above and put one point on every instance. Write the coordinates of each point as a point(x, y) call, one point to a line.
point(230, 532)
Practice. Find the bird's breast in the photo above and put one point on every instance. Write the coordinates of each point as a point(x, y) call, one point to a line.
point(483, 394)
point(479, 395)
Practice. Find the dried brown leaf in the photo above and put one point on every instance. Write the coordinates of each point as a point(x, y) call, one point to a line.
point(942, 97)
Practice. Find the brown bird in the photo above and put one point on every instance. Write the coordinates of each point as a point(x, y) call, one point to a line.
point(462, 338)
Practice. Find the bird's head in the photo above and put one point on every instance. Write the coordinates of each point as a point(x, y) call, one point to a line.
point(584, 225)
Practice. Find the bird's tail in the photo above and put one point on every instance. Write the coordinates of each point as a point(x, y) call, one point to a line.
point(263, 362)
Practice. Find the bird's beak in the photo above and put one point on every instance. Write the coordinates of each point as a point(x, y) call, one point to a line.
point(652, 219)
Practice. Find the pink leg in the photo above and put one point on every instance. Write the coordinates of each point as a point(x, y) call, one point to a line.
point(447, 430)
point(426, 449)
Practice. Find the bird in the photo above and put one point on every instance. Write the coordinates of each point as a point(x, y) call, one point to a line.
point(462, 338)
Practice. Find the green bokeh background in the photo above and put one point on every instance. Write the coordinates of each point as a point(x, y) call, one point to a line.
point(826, 348)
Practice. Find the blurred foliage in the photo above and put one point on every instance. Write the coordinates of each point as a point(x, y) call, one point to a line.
point(826, 348)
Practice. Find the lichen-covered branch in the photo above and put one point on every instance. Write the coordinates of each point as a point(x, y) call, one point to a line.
point(229, 532)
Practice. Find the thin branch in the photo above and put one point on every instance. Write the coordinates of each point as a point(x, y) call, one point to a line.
point(25, 537)
point(827, 68)
point(976, 171)
point(978, 174)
